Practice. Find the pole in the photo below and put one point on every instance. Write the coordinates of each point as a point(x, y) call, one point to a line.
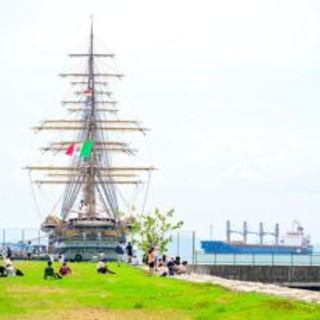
point(178, 243)
point(4, 238)
point(193, 248)
point(22, 235)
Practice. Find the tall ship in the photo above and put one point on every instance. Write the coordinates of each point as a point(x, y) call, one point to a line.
point(93, 167)
point(293, 241)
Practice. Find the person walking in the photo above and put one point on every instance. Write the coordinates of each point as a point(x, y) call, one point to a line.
point(129, 251)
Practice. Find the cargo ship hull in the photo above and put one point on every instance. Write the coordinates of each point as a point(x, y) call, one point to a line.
point(222, 247)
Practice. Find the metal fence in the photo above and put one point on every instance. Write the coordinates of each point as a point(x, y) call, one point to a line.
point(17, 239)
point(258, 259)
point(184, 244)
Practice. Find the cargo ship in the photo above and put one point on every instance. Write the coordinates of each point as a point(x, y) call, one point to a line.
point(293, 242)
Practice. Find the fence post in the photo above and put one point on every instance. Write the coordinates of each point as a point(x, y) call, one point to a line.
point(22, 236)
point(39, 238)
point(272, 258)
point(253, 261)
point(215, 258)
point(234, 259)
point(311, 262)
point(178, 244)
point(4, 237)
point(193, 248)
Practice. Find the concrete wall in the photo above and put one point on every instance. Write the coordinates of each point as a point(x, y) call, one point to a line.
point(267, 274)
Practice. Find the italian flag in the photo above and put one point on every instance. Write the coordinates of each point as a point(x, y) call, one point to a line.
point(88, 92)
point(85, 148)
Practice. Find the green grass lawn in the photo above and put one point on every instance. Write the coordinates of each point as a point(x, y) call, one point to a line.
point(131, 294)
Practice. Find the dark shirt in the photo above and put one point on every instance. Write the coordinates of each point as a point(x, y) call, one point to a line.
point(48, 272)
point(119, 250)
point(129, 249)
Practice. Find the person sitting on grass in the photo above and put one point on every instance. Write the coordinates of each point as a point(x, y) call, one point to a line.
point(49, 272)
point(163, 270)
point(171, 267)
point(134, 261)
point(103, 268)
point(182, 268)
point(3, 272)
point(10, 269)
point(64, 269)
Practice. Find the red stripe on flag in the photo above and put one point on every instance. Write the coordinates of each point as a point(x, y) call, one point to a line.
point(70, 150)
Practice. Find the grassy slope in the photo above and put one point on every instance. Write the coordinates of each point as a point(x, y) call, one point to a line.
point(132, 294)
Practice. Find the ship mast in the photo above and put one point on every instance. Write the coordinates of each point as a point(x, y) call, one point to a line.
point(93, 179)
point(90, 192)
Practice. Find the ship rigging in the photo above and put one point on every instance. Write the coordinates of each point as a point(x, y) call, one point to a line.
point(89, 221)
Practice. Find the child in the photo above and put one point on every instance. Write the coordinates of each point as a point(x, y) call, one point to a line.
point(49, 272)
point(64, 269)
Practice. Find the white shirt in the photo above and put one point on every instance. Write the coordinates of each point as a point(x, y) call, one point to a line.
point(100, 265)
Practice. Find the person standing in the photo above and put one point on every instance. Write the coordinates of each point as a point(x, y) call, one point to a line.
point(29, 250)
point(9, 252)
point(120, 252)
point(129, 251)
point(152, 257)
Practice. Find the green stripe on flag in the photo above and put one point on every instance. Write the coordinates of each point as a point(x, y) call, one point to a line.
point(86, 148)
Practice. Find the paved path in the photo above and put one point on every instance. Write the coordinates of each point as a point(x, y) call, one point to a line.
point(246, 286)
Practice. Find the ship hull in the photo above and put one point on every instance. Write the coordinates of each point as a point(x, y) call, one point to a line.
point(222, 247)
point(85, 240)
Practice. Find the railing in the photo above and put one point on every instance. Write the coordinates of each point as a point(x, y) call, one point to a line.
point(85, 244)
point(255, 259)
point(18, 239)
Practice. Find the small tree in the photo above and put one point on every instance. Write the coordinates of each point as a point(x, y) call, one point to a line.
point(154, 229)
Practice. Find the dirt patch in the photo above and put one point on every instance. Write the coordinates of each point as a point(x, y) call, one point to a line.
point(37, 289)
point(223, 300)
point(281, 304)
point(102, 314)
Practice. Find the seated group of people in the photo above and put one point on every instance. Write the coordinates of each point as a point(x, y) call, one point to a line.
point(50, 273)
point(64, 270)
point(164, 266)
point(8, 269)
point(171, 267)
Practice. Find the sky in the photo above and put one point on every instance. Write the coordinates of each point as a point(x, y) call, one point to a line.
point(229, 89)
